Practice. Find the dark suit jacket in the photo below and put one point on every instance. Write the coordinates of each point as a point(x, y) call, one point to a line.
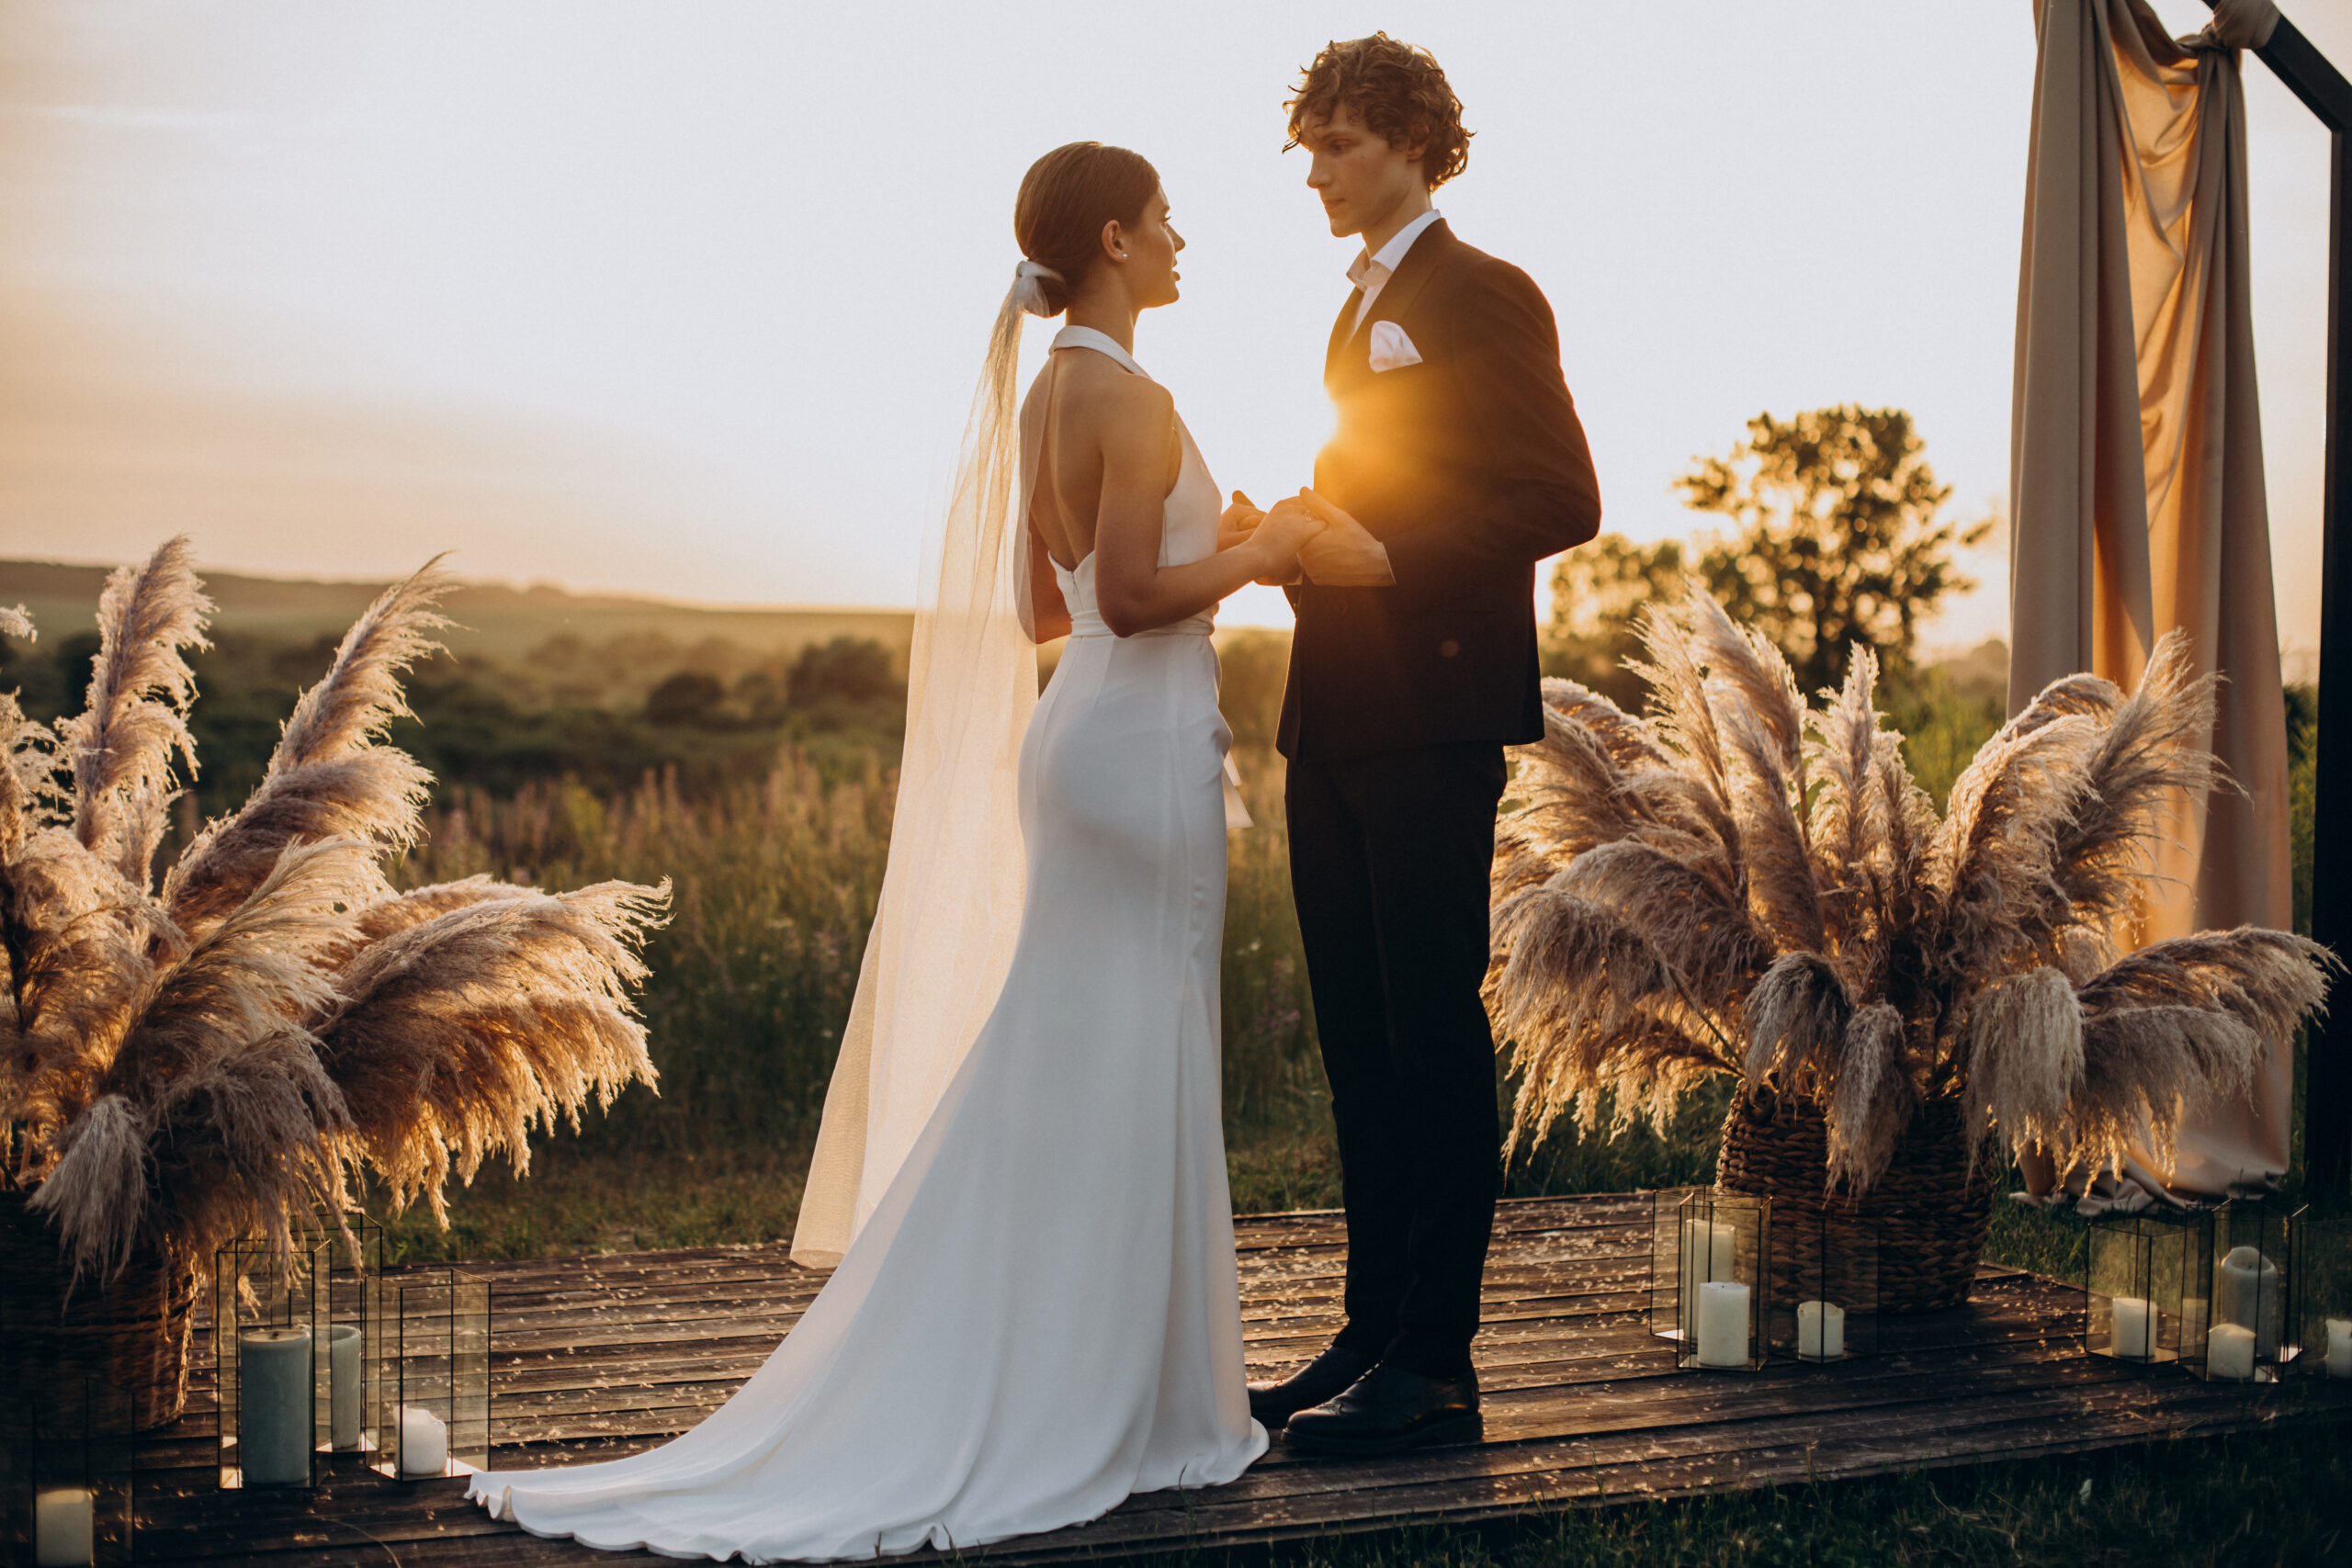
point(1470, 467)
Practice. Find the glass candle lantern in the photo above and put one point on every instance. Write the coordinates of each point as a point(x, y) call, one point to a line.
point(2320, 1302)
point(436, 1376)
point(1707, 1284)
point(348, 1358)
point(268, 1319)
point(68, 1478)
point(1823, 1305)
point(2252, 1265)
point(2144, 1283)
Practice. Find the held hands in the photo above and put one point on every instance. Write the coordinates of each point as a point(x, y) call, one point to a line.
point(1274, 537)
point(1342, 554)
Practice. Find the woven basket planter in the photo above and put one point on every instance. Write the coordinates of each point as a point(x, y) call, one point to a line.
point(1930, 1210)
point(133, 1334)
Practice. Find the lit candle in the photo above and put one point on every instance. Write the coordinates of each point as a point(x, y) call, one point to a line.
point(1821, 1331)
point(2246, 1292)
point(2229, 1352)
point(2128, 1335)
point(1722, 1323)
point(1707, 1246)
point(65, 1527)
point(274, 1409)
point(425, 1442)
point(2339, 1347)
point(342, 1385)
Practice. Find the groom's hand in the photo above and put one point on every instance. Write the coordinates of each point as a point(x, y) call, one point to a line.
point(1343, 555)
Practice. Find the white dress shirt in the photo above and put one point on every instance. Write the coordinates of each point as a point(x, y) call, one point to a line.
point(1370, 273)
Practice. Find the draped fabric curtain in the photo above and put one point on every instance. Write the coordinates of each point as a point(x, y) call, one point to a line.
point(2135, 486)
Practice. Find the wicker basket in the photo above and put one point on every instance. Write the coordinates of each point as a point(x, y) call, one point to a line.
point(1930, 1210)
point(133, 1334)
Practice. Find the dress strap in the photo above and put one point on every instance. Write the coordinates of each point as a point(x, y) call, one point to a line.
point(1044, 468)
point(1100, 342)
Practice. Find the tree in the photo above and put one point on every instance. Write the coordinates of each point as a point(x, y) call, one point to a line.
point(1838, 539)
point(688, 697)
point(1598, 591)
point(847, 669)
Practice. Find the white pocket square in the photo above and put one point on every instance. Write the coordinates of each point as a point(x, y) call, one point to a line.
point(1391, 349)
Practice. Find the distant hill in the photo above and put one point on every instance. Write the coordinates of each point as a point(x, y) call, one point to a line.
point(496, 622)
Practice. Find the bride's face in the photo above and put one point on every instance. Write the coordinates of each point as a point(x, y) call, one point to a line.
point(1148, 248)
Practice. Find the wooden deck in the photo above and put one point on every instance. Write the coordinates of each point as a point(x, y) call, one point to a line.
point(598, 1357)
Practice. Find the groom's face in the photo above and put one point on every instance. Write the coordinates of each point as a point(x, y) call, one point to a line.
point(1361, 178)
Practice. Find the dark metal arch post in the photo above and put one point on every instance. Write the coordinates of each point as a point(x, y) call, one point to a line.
point(2327, 1083)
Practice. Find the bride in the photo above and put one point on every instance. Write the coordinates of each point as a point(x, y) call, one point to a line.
point(1034, 1311)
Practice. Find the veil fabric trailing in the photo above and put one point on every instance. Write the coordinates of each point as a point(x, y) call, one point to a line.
point(950, 908)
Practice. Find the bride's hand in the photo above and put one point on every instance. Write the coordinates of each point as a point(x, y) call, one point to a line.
point(1240, 521)
point(1278, 537)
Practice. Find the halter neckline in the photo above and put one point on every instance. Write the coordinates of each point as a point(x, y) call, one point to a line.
point(1075, 336)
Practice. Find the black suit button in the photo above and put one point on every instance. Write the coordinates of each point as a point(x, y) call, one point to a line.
point(1448, 649)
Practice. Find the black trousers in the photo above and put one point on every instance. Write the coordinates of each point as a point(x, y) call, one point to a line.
point(1389, 859)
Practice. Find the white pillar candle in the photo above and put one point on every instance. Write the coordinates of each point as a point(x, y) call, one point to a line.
point(342, 1385)
point(65, 1527)
point(2229, 1352)
point(2130, 1322)
point(1821, 1331)
point(1707, 1251)
point(425, 1442)
point(2339, 1347)
point(274, 1406)
point(1722, 1323)
point(2247, 1291)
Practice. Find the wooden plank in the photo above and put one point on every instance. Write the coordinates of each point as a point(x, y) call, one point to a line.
point(594, 1357)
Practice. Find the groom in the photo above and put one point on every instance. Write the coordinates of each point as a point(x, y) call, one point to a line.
point(1458, 464)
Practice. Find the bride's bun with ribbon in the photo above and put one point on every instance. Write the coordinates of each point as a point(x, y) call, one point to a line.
point(1029, 280)
point(1065, 199)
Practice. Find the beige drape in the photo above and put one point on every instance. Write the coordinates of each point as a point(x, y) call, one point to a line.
point(2135, 485)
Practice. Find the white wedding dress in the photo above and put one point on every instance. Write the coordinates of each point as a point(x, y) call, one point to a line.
point(1041, 1316)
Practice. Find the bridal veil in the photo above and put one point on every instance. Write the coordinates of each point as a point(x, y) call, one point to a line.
point(950, 908)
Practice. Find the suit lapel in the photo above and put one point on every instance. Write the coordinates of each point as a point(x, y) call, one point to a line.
point(1412, 275)
point(1339, 333)
point(1351, 346)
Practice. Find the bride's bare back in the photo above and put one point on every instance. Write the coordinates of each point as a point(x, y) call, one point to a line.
point(1106, 445)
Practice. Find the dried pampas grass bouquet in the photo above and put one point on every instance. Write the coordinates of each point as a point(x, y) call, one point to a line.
point(1739, 884)
point(215, 1056)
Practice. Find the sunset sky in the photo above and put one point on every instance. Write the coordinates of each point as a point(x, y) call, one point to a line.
point(688, 299)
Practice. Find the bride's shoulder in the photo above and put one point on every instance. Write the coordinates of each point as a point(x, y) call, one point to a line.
point(1097, 393)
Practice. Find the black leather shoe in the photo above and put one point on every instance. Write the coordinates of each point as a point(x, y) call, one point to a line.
point(1329, 1373)
point(1389, 1408)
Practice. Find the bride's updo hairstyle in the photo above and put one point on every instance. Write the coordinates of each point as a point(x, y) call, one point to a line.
point(1066, 197)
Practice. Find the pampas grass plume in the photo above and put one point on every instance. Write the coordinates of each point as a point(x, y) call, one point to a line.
point(219, 1060)
point(1734, 866)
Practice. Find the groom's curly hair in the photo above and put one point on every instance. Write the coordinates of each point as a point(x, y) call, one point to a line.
point(1399, 93)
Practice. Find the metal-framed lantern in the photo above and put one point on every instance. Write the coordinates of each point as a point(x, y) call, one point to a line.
point(268, 1320)
point(1708, 1285)
point(69, 1477)
point(435, 1373)
point(2319, 1305)
point(348, 1355)
point(2252, 1267)
point(1823, 1305)
point(2144, 1283)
